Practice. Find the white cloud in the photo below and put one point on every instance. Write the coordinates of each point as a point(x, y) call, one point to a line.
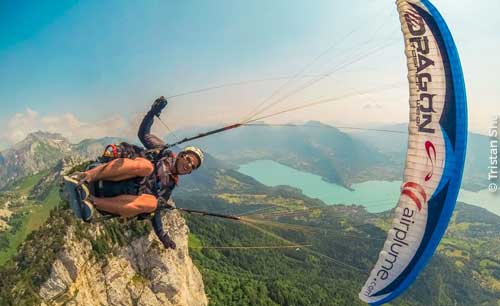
point(67, 124)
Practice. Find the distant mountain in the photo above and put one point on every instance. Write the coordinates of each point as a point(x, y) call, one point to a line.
point(477, 162)
point(40, 151)
point(37, 152)
point(314, 147)
point(394, 146)
point(92, 148)
point(385, 139)
point(477, 217)
point(339, 157)
point(211, 178)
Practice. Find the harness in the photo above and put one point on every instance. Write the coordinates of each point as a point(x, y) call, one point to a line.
point(160, 183)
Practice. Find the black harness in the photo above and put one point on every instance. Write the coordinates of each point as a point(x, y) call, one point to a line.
point(160, 183)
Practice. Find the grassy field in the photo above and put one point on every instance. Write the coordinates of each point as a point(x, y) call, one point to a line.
point(34, 214)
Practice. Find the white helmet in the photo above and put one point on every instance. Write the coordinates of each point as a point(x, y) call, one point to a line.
point(197, 152)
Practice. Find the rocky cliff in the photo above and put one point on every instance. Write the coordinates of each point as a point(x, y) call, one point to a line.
point(141, 272)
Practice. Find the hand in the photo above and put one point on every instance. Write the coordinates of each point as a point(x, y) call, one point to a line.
point(81, 177)
point(167, 242)
point(158, 105)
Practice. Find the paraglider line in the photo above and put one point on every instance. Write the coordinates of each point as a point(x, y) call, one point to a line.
point(254, 247)
point(334, 126)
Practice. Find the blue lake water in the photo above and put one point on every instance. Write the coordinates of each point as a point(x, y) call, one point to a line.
point(376, 196)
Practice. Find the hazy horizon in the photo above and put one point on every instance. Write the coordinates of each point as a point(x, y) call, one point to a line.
point(159, 129)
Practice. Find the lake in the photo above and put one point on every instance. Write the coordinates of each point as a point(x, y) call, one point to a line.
point(375, 196)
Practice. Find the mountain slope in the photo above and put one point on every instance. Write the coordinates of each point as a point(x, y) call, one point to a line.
point(244, 265)
point(37, 152)
point(314, 148)
point(289, 250)
point(67, 262)
point(92, 148)
point(250, 263)
point(394, 146)
point(40, 151)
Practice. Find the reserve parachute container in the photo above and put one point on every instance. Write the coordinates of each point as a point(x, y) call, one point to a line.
point(436, 152)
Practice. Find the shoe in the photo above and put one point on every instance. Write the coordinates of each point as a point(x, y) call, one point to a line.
point(79, 198)
point(85, 201)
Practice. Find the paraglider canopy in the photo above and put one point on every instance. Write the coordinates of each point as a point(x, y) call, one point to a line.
point(436, 152)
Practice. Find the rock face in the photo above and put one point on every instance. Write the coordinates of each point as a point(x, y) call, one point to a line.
point(90, 149)
point(39, 151)
point(91, 269)
point(140, 273)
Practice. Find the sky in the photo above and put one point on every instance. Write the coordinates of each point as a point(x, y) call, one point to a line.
point(89, 69)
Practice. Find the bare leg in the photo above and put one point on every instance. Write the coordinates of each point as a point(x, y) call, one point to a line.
point(127, 205)
point(120, 169)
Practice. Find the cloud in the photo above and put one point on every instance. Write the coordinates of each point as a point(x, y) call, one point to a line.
point(21, 124)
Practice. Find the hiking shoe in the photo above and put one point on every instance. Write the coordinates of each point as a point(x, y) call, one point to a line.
point(85, 201)
point(79, 198)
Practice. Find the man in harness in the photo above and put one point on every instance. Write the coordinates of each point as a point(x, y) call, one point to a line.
point(134, 181)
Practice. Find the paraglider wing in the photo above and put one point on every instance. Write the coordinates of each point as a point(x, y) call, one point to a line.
point(436, 152)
